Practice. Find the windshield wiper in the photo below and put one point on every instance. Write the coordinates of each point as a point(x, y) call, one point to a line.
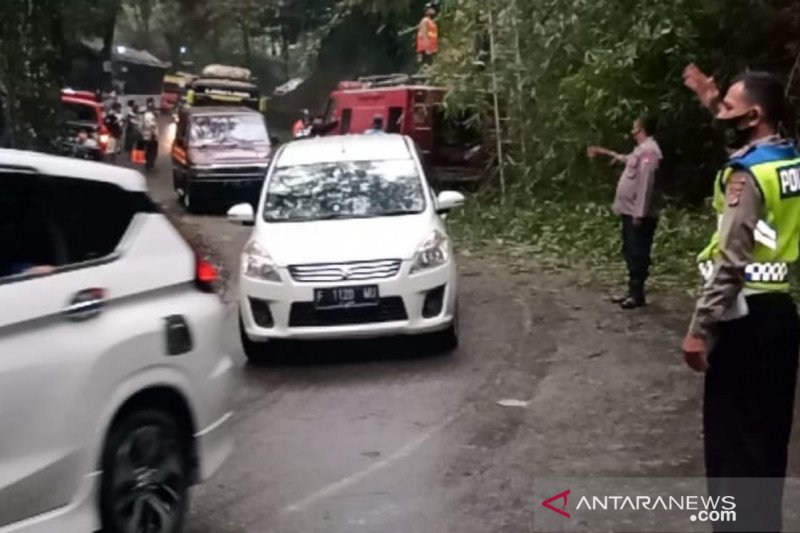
point(397, 213)
point(331, 216)
point(334, 216)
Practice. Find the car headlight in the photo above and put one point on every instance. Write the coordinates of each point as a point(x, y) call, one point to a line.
point(433, 252)
point(256, 263)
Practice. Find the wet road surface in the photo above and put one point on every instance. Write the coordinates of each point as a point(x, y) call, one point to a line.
point(388, 437)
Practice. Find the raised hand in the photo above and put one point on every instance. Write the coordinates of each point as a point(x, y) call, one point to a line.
point(702, 85)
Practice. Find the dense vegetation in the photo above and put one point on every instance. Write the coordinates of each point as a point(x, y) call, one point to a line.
point(37, 40)
point(571, 73)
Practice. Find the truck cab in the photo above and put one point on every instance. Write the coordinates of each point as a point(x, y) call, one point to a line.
point(407, 105)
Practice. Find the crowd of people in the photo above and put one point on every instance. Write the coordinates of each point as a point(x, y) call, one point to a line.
point(132, 130)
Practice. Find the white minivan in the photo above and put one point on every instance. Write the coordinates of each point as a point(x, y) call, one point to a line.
point(114, 385)
point(349, 242)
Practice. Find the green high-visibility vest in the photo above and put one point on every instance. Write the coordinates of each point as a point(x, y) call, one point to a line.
point(776, 169)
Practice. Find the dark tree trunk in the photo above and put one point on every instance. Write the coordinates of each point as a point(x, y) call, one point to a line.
point(245, 43)
point(32, 66)
point(285, 51)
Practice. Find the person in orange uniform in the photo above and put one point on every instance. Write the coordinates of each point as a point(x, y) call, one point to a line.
point(427, 36)
point(302, 126)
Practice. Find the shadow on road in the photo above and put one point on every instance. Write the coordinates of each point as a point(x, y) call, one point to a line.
point(326, 353)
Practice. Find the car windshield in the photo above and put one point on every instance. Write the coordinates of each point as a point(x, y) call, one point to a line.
point(351, 189)
point(228, 129)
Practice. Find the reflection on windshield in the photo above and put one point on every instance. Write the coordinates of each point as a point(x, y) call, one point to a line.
point(344, 190)
point(228, 129)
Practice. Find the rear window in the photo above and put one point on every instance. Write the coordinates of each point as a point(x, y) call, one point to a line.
point(79, 112)
point(53, 222)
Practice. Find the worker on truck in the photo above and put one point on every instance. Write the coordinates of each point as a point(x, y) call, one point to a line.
point(427, 36)
point(302, 127)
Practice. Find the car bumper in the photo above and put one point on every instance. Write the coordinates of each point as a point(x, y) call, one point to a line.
point(244, 189)
point(407, 293)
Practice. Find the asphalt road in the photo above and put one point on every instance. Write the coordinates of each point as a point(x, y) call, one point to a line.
point(386, 437)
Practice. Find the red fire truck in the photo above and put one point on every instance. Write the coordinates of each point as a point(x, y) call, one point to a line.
point(410, 106)
point(406, 105)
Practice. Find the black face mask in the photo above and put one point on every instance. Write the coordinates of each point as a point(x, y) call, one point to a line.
point(735, 136)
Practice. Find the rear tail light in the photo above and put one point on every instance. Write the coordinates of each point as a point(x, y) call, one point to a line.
point(206, 275)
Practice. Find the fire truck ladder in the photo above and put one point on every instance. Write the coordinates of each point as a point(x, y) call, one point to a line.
point(392, 80)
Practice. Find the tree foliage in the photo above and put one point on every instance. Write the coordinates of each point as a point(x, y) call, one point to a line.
point(577, 72)
point(37, 38)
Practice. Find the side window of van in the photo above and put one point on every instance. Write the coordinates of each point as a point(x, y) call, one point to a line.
point(28, 238)
point(50, 222)
point(92, 217)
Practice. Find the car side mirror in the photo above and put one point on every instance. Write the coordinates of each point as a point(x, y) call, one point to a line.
point(448, 200)
point(242, 214)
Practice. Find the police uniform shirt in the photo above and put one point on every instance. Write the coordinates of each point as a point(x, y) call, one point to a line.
point(743, 209)
point(634, 195)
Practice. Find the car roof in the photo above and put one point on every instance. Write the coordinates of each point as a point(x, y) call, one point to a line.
point(68, 167)
point(80, 101)
point(338, 148)
point(220, 110)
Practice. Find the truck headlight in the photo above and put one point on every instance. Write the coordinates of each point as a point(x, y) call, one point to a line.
point(256, 263)
point(433, 252)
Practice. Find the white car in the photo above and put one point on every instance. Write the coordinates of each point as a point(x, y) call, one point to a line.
point(114, 385)
point(349, 242)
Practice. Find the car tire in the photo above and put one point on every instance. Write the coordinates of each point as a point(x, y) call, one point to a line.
point(446, 341)
point(190, 204)
point(146, 474)
point(175, 186)
point(256, 352)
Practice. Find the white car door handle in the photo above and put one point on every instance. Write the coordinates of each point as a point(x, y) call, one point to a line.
point(86, 304)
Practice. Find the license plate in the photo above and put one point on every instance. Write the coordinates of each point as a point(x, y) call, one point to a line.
point(346, 297)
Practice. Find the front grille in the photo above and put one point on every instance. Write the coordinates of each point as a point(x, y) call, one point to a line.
point(305, 314)
point(355, 271)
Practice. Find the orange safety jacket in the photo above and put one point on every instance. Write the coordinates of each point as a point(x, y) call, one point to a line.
point(427, 27)
point(299, 128)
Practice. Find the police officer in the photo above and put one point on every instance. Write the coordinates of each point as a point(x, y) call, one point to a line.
point(745, 332)
point(376, 128)
point(635, 203)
